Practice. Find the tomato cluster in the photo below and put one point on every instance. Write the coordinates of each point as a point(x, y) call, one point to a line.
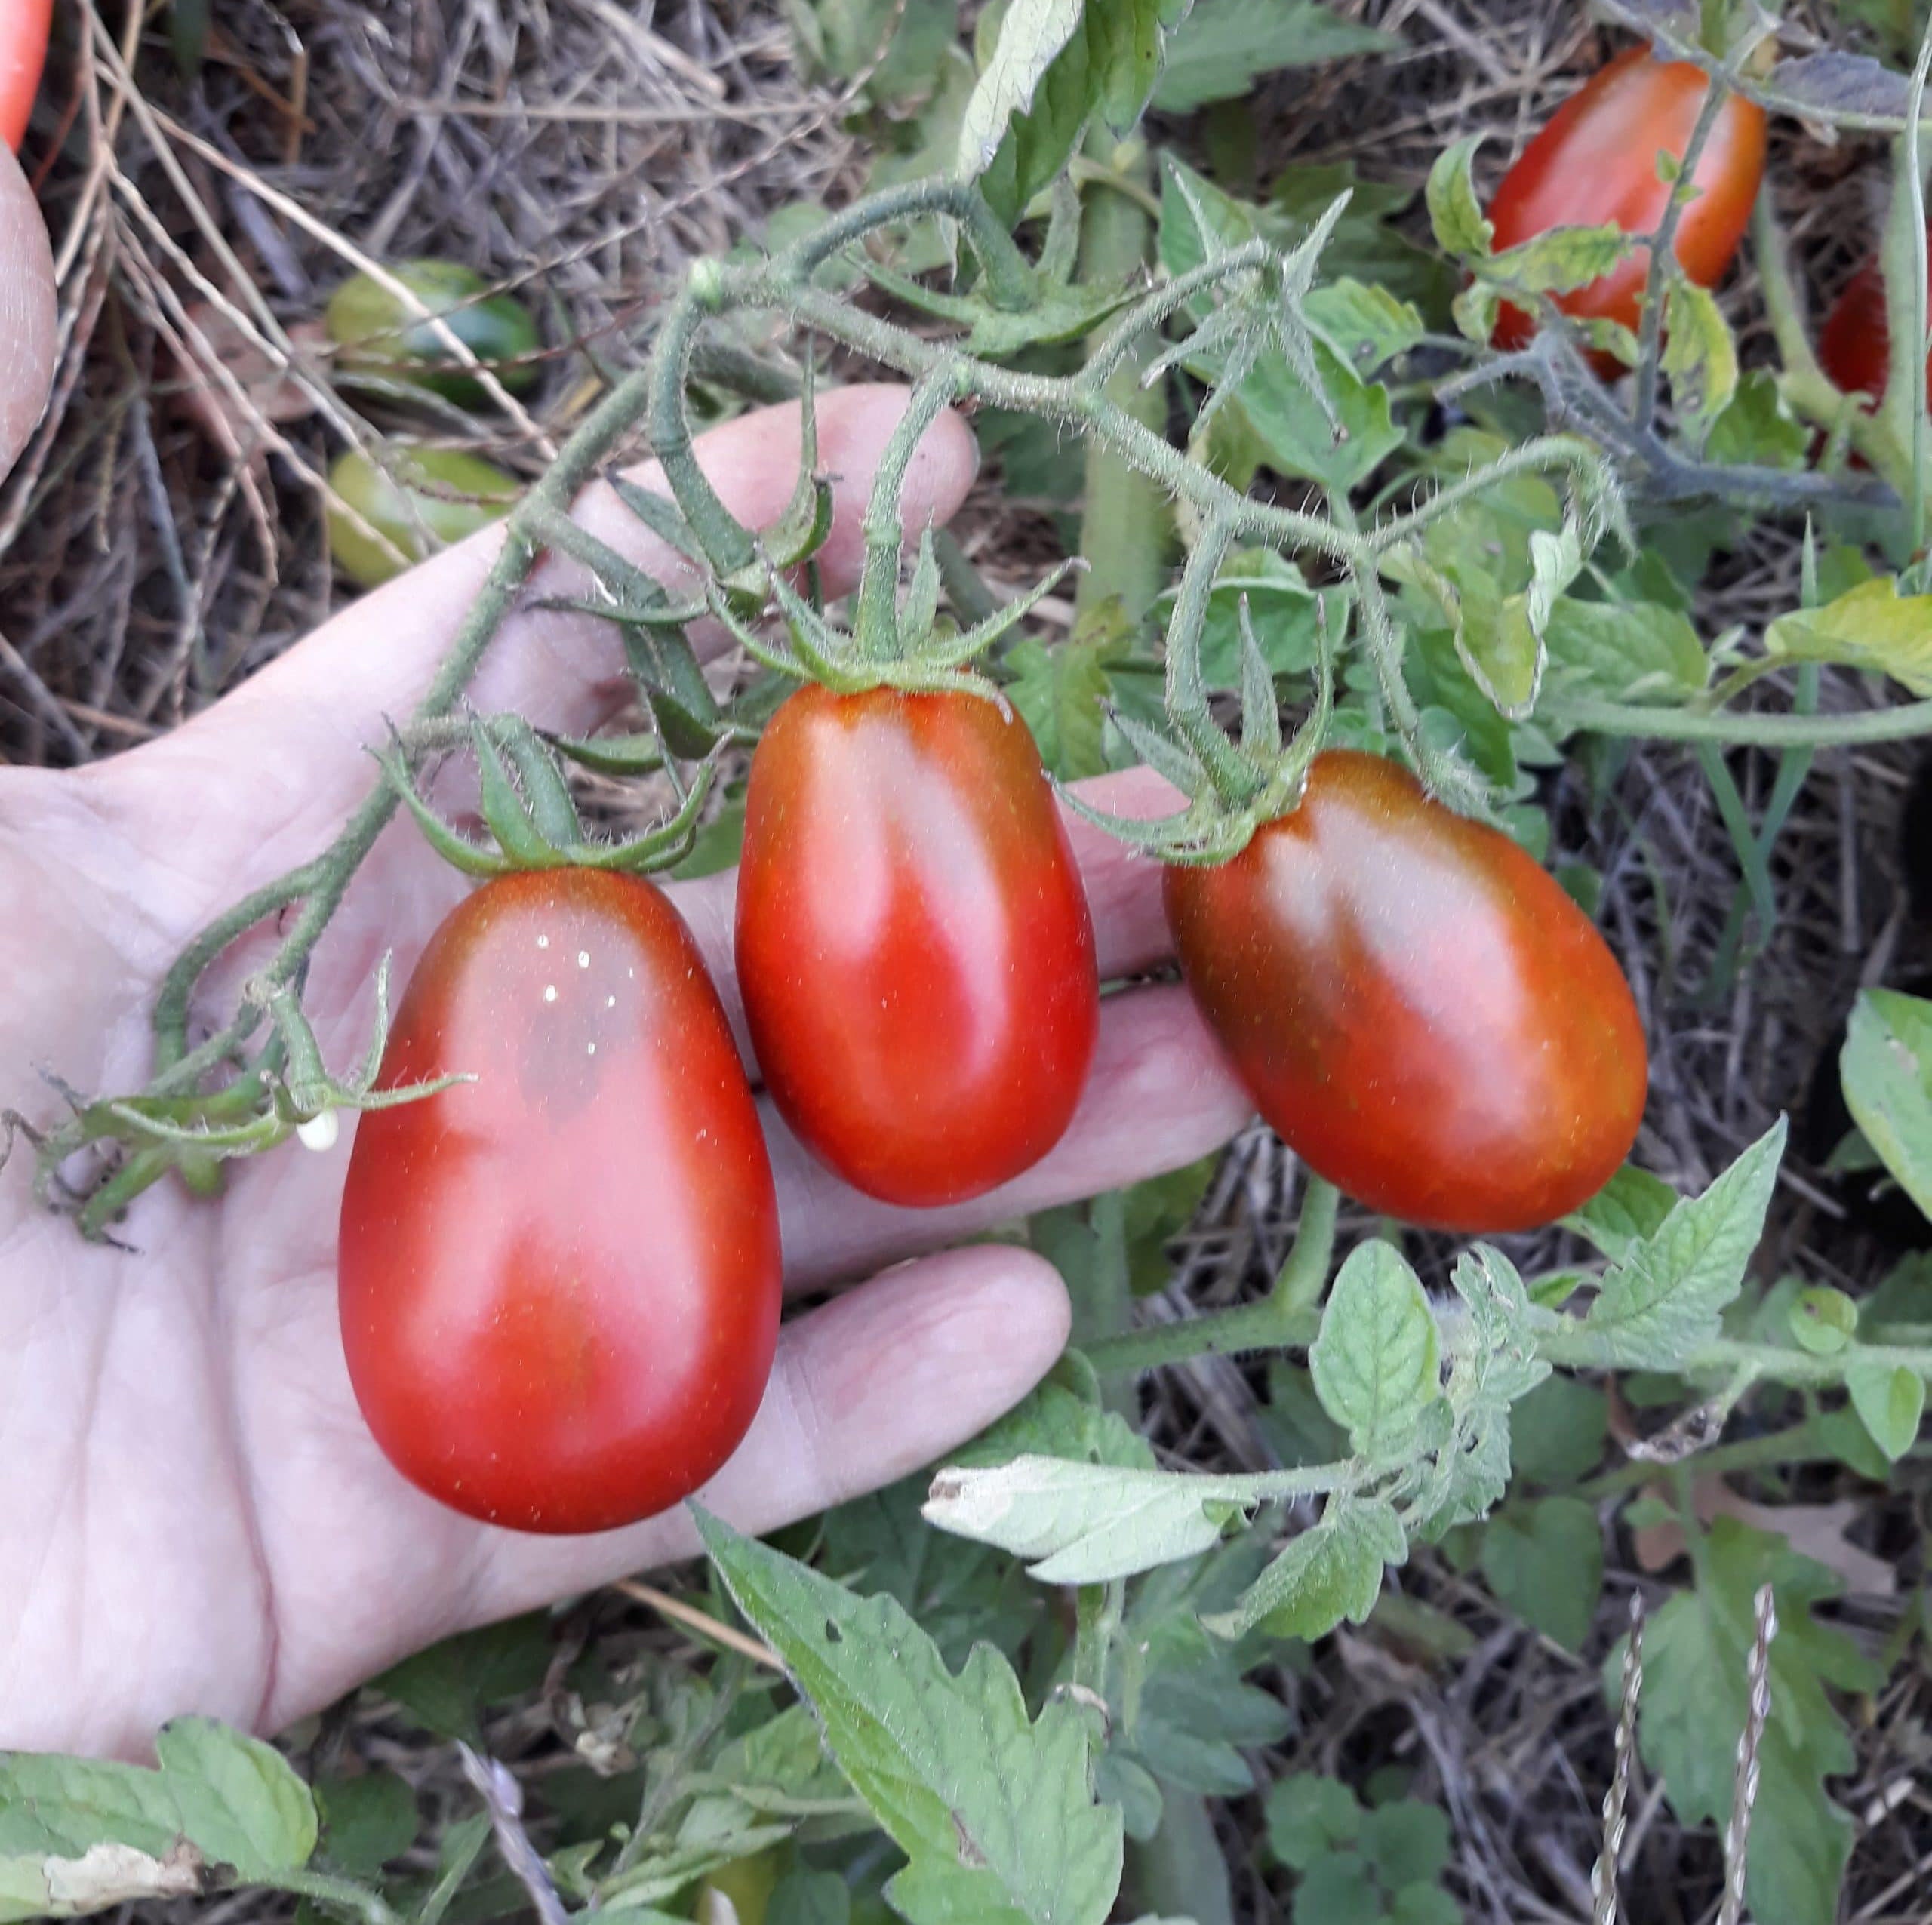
point(560, 1279)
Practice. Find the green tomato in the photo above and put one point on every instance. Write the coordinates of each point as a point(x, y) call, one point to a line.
point(746, 1883)
point(437, 495)
point(379, 336)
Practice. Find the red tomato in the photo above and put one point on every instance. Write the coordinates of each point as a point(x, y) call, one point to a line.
point(1415, 1007)
point(559, 1283)
point(1596, 162)
point(1855, 344)
point(23, 25)
point(914, 947)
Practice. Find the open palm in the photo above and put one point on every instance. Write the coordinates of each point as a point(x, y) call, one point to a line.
point(193, 1517)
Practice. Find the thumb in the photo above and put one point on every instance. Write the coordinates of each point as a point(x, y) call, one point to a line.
point(27, 316)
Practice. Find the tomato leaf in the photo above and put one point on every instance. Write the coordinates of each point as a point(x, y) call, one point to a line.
point(1663, 1297)
point(1328, 1573)
point(1224, 46)
point(1696, 1654)
point(1462, 228)
point(1309, 1817)
point(1758, 429)
point(1029, 36)
point(1628, 1208)
point(1629, 651)
point(1375, 1358)
point(995, 1814)
point(1559, 260)
point(1545, 1561)
point(1886, 1067)
point(1061, 693)
point(366, 1821)
point(1700, 355)
point(1366, 326)
point(1080, 1523)
point(241, 1803)
point(1889, 1400)
point(1871, 626)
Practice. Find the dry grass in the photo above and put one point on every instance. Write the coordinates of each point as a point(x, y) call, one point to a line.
point(148, 560)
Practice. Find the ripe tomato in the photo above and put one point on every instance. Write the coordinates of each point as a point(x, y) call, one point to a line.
point(23, 25)
point(559, 1283)
point(1596, 162)
point(1415, 1007)
point(1855, 344)
point(913, 943)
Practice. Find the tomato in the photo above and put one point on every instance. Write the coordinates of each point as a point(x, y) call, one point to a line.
point(435, 496)
point(379, 335)
point(559, 1283)
point(913, 942)
point(23, 25)
point(1596, 162)
point(1855, 344)
point(1417, 1008)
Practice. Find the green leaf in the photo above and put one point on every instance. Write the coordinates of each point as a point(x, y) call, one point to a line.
point(241, 1802)
point(1545, 1561)
point(1224, 46)
point(1309, 1816)
point(1629, 651)
point(1406, 1842)
point(1330, 1572)
point(1700, 355)
point(1824, 1320)
point(445, 1688)
point(1889, 1400)
point(995, 1814)
point(1455, 213)
point(898, 45)
point(366, 1821)
point(1293, 428)
point(78, 1836)
point(1758, 430)
point(1872, 627)
point(1061, 694)
point(1663, 1298)
point(1030, 34)
point(1886, 1067)
point(810, 1898)
point(1559, 260)
point(1631, 1207)
point(1080, 1523)
point(1696, 1652)
point(1375, 1359)
point(1125, 39)
point(1366, 326)
point(1557, 1431)
point(1338, 1890)
point(1424, 1905)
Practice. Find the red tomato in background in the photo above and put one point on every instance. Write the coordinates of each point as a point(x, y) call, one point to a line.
point(1855, 344)
point(559, 1283)
point(913, 943)
point(1595, 162)
point(1416, 1007)
point(23, 25)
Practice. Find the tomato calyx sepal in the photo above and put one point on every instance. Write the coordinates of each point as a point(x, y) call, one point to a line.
point(526, 805)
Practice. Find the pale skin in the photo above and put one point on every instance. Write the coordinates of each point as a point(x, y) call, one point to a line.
point(193, 1517)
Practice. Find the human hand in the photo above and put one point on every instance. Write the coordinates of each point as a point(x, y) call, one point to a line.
point(194, 1518)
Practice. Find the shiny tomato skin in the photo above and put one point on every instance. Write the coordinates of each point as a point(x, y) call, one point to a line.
point(914, 946)
point(560, 1283)
point(1595, 163)
point(23, 27)
point(1416, 1007)
point(1855, 344)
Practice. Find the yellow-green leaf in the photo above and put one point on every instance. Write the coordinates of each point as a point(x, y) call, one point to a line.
point(1700, 355)
point(1873, 627)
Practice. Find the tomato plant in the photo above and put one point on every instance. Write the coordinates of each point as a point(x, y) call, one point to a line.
point(23, 27)
point(913, 944)
point(1855, 344)
point(1595, 163)
point(380, 335)
point(438, 492)
point(559, 1283)
point(1415, 1005)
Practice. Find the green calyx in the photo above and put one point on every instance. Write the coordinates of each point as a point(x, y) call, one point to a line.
point(526, 805)
point(1233, 785)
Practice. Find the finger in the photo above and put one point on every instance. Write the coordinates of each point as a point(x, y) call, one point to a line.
point(297, 730)
point(27, 315)
point(885, 1379)
point(1160, 1094)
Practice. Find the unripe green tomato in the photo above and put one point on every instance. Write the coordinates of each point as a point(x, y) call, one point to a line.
point(1824, 1320)
point(450, 494)
point(746, 1883)
point(379, 335)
